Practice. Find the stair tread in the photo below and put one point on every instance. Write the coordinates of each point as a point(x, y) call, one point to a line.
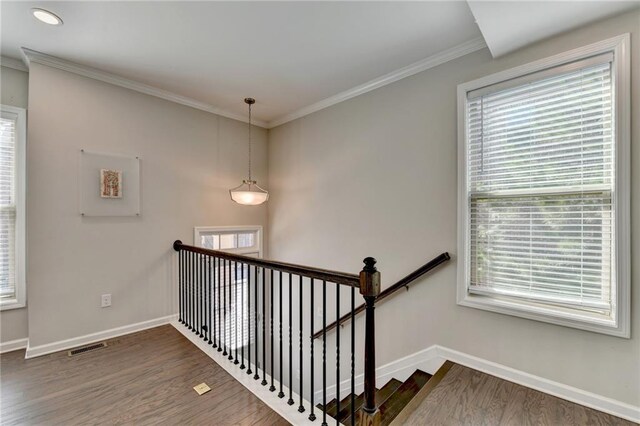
point(344, 416)
point(390, 408)
point(331, 406)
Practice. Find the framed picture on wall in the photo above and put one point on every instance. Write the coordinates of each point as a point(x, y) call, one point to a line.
point(109, 184)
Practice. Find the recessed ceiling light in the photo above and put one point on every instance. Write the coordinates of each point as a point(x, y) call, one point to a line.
point(46, 16)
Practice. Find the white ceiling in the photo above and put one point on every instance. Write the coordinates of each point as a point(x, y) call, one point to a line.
point(508, 26)
point(285, 54)
point(288, 55)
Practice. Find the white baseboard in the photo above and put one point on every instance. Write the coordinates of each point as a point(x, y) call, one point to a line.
point(279, 405)
point(570, 393)
point(426, 360)
point(13, 345)
point(430, 360)
point(34, 351)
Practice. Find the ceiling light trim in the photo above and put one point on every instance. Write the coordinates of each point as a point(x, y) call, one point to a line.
point(107, 77)
point(415, 68)
point(13, 63)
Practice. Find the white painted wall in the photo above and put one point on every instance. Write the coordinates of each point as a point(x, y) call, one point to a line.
point(376, 176)
point(190, 159)
point(14, 91)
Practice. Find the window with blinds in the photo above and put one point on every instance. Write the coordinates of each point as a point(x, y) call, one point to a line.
point(7, 207)
point(540, 178)
point(10, 202)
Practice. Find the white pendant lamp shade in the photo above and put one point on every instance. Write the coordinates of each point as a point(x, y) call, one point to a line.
point(249, 193)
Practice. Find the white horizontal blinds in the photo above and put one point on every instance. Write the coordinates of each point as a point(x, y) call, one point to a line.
point(7, 206)
point(540, 181)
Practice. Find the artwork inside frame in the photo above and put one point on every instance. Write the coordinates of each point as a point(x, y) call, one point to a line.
point(110, 183)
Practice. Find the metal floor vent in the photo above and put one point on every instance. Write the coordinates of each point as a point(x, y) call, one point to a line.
point(83, 349)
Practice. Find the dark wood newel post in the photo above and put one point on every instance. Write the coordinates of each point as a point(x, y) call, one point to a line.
point(369, 288)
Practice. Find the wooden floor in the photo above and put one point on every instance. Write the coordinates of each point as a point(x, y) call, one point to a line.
point(469, 397)
point(142, 378)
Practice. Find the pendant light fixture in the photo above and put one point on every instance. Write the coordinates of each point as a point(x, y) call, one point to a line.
point(249, 193)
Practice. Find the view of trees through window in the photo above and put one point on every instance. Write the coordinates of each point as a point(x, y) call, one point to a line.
point(541, 182)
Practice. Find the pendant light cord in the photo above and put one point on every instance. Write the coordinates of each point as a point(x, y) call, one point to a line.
point(249, 142)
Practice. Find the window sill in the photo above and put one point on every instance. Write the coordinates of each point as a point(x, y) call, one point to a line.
point(546, 313)
point(7, 305)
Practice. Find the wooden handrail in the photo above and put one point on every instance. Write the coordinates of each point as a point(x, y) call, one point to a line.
point(404, 282)
point(344, 278)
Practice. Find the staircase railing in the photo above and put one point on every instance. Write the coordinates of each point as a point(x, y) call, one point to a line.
point(402, 283)
point(229, 301)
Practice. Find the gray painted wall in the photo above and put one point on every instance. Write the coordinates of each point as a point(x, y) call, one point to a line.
point(377, 176)
point(190, 159)
point(14, 89)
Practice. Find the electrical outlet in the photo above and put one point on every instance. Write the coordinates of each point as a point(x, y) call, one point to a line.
point(298, 374)
point(106, 300)
point(319, 311)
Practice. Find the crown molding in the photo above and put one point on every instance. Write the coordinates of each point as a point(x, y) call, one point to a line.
point(30, 56)
point(415, 68)
point(16, 64)
point(96, 74)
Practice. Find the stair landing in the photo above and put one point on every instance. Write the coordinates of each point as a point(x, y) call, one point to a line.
point(468, 397)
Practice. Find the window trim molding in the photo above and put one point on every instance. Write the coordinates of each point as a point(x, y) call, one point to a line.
point(199, 230)
point(20, 301)
point(619, 45)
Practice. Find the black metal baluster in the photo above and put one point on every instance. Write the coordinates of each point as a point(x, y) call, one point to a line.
point(183, 261)
point(180, 286)
point(186, 289)
point(214, 305)
point(324, 353)
point(229, 329)
point(272, 387)
point(301, 390)
point(224, 307)
point(264, 329)
point(338, 351)
point(203, 275)
point(248, 319)
point(200, 288)
point(312, 416)
point(219, 305)
point(256, 376)
point(353, 356)
point(196, 282)
point(191, 291)
point(242, 366)
point(281, 393)
point(209, 299)
point(290, 401)
point(203, 298)
point(235, 312)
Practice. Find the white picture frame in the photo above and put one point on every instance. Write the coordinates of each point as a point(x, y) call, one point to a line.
point(109, 184)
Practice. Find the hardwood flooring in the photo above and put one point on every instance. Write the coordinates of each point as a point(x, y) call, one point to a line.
point(144, 378)
point(469, 397)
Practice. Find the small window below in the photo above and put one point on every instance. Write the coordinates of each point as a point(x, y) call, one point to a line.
point(239, 240)
point(234, 279)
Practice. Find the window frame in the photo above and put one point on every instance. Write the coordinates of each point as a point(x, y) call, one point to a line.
point(20, 299)
point(198, 231)
point(619, 324)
